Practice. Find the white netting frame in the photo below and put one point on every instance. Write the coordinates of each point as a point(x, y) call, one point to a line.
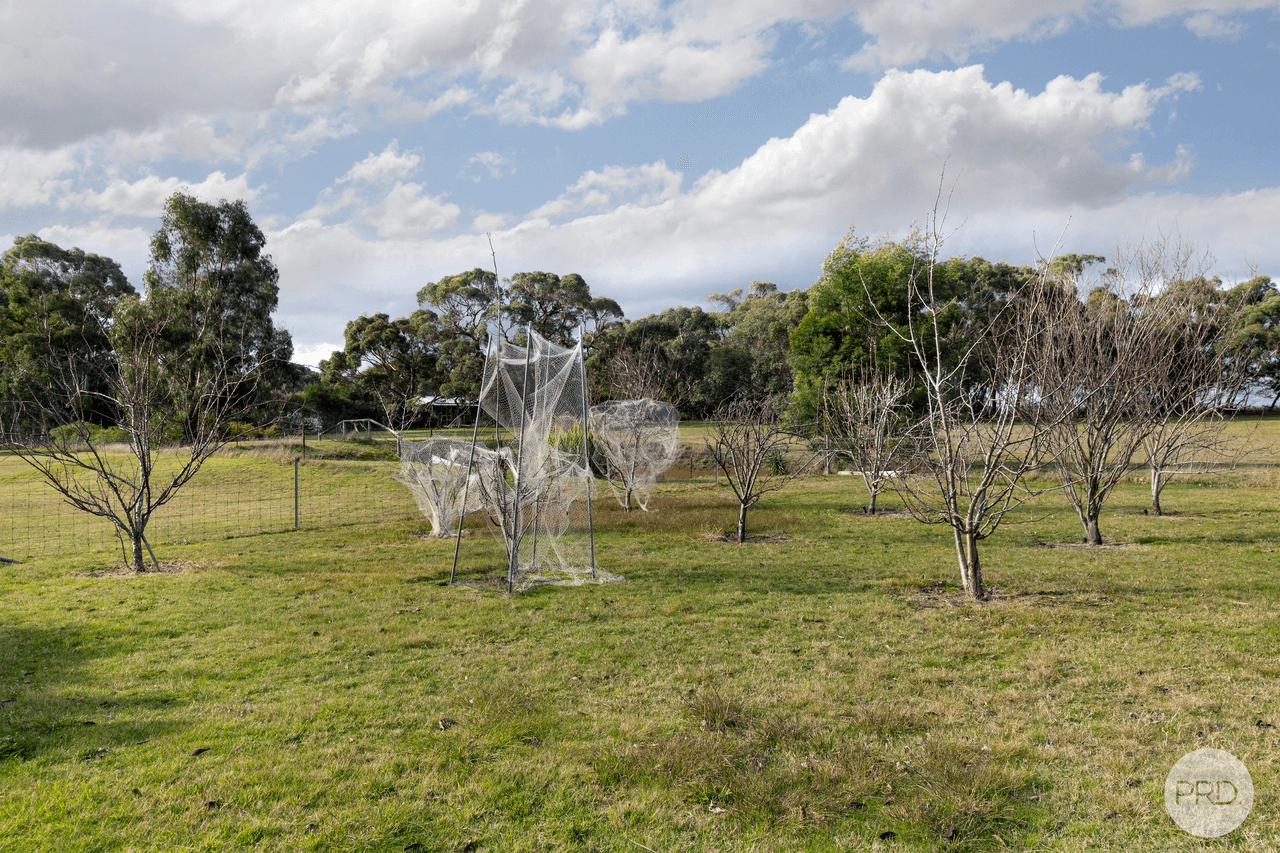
point(537, 498)
point(638, 440)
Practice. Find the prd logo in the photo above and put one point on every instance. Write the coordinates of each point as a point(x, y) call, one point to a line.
point(1208, 792)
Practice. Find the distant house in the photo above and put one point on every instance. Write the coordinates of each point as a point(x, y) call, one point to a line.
point(443, 411)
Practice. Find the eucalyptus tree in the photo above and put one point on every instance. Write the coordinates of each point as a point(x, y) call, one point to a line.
point(216, 289)
point(55, 305)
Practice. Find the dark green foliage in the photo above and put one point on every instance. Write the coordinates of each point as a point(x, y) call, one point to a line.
point(55, 312)
point(215, 290)
point(394, 361)
point(473, 304)
point(858, 314)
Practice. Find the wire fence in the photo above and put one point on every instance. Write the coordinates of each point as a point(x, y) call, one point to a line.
point(232, 496)
point(250, 489)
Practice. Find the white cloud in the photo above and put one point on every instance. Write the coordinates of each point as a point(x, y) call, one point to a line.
point(1173, 171)
point(146, 196)
point(407, 213)
point(129, 247)
point(29, 178)
point(497, 165)
point(484, 222)
point(1025, 163)
point(613, 187)
point(1209, 25)
point(903, 32)
point(389, 165)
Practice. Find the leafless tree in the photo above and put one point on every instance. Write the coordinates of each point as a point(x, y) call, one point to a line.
point(150, 394)
point(749, 442)
point(872, 427)
point(1190, 407)
point(1131, 363)
point(641, 370)
point(980, 442)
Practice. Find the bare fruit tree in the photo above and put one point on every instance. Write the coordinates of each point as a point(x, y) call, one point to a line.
point(749, 443)
point(1131, 363)
point(635, 441)
point(1190, 407)
point(980, 441)
point(150, 396)
point(873, 428)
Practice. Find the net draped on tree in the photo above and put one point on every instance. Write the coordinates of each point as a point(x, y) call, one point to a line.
point(536, 492)
point(435, 471)
point(638, 440)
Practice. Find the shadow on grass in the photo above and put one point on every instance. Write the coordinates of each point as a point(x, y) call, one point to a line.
point(50, 701)
point(767, 767)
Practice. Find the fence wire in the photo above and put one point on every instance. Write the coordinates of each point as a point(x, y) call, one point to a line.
point(230, 497)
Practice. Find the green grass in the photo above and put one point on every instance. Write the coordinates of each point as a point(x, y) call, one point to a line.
point(815, 692)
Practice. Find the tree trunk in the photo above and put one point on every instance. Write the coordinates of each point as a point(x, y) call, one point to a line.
point(626, 506)
point(139, 565)
point(871, 507)
point(970, 566)
point(1091, 534)
point(742, 523)
point(1157, 486)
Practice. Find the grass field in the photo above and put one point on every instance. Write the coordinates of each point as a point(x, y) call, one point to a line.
point(827, 689)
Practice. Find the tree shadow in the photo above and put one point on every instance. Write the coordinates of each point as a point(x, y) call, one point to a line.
point(49, 700)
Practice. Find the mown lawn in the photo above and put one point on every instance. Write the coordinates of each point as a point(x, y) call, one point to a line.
point(826, 690)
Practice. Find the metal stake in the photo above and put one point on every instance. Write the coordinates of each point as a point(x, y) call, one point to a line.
point(586, 439)
point(470, 461)
point(514, 562)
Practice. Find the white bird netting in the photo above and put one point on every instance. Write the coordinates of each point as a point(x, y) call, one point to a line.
point(536, 491)
point(435, 471)
point(638, 440)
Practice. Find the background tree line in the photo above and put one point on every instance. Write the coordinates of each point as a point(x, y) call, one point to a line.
point(756, 342)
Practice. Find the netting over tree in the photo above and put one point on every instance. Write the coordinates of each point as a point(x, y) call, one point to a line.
point(435, 471)
point(637, 441)
point(536, 492)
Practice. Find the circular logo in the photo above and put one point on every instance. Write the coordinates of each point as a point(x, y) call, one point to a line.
point(1208, 792)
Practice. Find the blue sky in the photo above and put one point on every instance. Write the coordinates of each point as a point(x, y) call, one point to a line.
point(663, 150)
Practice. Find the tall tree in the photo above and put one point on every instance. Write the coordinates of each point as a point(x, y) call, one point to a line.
point(861, 310)
point(399, 361)
point(467, 303)
point(217, 290)
point(55, 305)
point(1258, 332)
point(760, 326)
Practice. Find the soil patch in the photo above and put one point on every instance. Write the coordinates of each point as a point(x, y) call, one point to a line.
point(884, 513)
point(167, 567)
point(757, 539)
point(1081, 546)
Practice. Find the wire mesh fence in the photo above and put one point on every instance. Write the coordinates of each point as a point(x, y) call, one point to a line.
point(232, 496)
point(249, 490)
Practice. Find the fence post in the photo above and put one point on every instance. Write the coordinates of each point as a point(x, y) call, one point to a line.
point(296, 460)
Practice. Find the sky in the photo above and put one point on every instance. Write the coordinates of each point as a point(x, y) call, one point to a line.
point(662, 150)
